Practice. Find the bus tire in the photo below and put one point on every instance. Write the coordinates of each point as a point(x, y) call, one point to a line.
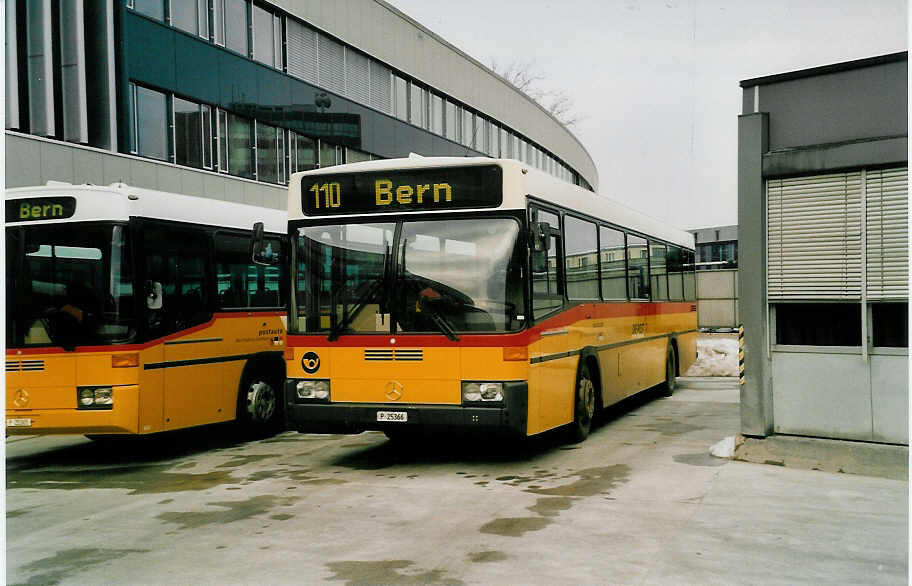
point(671, 369)
point(583, 404)
point(260, 403)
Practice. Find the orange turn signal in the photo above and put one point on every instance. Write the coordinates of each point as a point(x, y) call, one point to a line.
point(125, 360)
point(288, 354)
point(516, 353)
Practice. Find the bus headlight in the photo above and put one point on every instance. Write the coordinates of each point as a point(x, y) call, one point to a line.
point(312, 389)
point(95, 398)
point(482, 392)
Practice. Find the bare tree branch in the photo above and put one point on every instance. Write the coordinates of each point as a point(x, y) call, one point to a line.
point(524, 76)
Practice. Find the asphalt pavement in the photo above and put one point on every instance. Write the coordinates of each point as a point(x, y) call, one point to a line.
point(640, 502)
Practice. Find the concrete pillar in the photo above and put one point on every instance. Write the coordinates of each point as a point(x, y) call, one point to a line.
point(756, 393)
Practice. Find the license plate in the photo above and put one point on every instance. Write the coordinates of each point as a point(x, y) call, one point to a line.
point(393, 416)
point(20, 422)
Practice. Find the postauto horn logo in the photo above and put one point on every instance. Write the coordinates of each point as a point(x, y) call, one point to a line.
point(310, 362)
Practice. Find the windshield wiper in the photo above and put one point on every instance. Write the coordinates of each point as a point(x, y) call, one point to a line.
point(362, 300)
point(441, 322)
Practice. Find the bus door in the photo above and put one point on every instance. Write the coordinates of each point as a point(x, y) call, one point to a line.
point(178, 303)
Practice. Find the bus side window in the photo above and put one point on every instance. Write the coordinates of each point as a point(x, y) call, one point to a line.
point(637, 267)
point(240, 282)
point(176, 258)
point(547, 284)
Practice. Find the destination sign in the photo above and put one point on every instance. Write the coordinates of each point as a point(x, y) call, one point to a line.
point(414, 190)
point(40, 208)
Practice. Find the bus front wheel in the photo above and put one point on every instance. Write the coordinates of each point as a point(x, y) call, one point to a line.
point(584, 405)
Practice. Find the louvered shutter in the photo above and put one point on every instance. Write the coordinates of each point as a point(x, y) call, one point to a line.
point(887, 236)
point(381, 87)
point(332, 64)
point(357, 76)
point(302, 51)
point(814, 237)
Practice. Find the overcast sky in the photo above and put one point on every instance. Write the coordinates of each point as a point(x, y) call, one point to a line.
point(656, 82)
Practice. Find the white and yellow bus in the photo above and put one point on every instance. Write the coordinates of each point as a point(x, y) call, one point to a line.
point(471, 293)
point(131, 311)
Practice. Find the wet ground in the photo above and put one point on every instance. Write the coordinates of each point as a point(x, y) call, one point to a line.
point(640, 502)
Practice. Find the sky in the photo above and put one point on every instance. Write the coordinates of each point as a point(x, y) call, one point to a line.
point(655, 83)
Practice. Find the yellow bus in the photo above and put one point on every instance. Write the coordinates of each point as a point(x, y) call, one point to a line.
point(473, 293)
point(131, 311)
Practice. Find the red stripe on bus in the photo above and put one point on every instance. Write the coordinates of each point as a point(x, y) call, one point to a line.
point(523, 338)
point(144, 345)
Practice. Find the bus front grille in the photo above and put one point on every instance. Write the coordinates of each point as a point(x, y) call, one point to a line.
point(390, 354)
point(24, 365)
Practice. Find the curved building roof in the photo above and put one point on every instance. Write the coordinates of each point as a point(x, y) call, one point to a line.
point(387, 34)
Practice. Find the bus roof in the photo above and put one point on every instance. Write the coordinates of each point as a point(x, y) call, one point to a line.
point(120, 202)
point(520, 182)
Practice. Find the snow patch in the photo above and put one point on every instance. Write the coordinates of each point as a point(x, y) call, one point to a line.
point(724, 449)
point(716, 356)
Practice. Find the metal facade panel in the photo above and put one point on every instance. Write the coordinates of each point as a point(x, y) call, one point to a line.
point(301, 49)
point(332, 64)
point(822, 395)
point(39, 52)
point(890, 398)
point(73, 71)
point(814, 237)
point(887, 237)
point(12, 68)
point(357, 76)
point(381, 86)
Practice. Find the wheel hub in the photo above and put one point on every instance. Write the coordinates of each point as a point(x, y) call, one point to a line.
point(261, 402)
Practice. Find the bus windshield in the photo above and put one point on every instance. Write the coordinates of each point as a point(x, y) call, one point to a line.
point(442, 276)
point(69, 285)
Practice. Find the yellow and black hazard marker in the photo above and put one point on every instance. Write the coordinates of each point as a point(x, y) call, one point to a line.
point(741, 355)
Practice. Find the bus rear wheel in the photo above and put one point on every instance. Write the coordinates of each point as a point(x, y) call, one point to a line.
point(671, 369)
point(584, 405)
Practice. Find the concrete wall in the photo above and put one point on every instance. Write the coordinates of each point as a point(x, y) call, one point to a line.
point(717, 299)
point(37, 161)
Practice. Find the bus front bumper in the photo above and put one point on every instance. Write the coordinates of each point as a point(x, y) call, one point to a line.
point(509, 416)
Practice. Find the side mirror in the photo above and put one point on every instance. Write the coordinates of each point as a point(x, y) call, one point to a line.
point(541, 233)
point(154, 297)
point(261, 252)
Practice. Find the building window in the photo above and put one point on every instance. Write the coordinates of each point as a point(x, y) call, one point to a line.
point(468, 128)
point(890, 325)
point(151, 8)
point(240, 146)
point(452, 127)
point(436, 114)
point(818, 324)
point(355, 156)
point(302, 153)
point(190, 141)
point(330, 154)
point(222, 140)
point(236, 25)
point(400, 97)
point(267, 49)
point(267, 151)
point(151, 127)
point(418, 101)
